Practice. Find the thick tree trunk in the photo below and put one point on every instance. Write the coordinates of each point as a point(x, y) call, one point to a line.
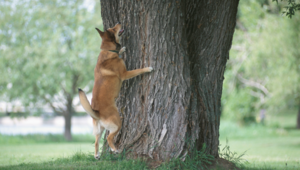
point(176, 108)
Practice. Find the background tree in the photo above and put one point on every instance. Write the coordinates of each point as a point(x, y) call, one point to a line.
point(48, 49)
point(291, 7)
point(176, 109)
point(263, 72)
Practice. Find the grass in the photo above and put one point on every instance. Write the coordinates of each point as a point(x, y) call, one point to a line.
point(80, 160)
point(38, 138)
point(38, 148)
point(275, 145)
point(197, 160)
point(53, 152)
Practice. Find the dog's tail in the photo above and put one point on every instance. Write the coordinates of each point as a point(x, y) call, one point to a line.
point(86, 104)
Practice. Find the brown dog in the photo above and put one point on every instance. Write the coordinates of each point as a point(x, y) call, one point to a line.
point(109, 74)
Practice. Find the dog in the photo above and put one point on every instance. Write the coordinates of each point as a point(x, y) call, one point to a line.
point(109, 73)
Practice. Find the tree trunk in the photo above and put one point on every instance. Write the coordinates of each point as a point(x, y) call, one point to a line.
point(68, 118)
point(176, 108)
point(69, 107)
point(298, 119)
point(67, 133)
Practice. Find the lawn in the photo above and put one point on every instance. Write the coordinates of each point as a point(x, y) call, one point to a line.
point(275, 145)
point(40, 148)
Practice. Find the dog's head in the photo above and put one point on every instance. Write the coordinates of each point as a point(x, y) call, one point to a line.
point(111, 36)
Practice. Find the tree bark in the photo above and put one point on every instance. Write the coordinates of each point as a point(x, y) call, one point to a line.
point(67, 133)
point(175, 109)
point(68, 118)
point(69, 107)
point(298, 119)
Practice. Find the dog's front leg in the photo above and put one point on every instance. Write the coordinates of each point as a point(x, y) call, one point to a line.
point(123, 49)
point(134, 73)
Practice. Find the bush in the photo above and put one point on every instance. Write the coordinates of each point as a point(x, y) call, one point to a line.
point(239, 106)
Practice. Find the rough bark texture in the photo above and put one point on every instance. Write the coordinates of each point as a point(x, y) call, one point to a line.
point(176, 108)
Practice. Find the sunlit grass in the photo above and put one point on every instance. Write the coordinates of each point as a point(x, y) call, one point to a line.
point(38, 148)
point(80, 160)
point(36, 153)
point(39, 138)
point(274, 145)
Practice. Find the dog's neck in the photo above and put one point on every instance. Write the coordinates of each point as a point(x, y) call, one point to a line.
point(111, 46)
point(114, 51)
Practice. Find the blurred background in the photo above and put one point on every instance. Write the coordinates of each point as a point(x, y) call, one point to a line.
point(48, 50)
point(46, 53)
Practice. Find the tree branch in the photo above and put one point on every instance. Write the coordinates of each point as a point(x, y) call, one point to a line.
point(55, 109)
point(253, 84)
point(258, 95)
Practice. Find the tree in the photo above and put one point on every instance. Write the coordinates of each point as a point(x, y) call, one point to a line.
point(264, 66)
point(175, 109)
point(291, 8)
point(48, 50)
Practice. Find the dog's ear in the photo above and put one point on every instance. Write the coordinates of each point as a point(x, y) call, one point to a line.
point(100, 32)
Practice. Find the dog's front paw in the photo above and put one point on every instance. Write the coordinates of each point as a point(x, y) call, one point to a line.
point(123, 49)
point(150, 69)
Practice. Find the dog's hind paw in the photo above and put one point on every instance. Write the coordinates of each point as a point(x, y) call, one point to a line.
point(123, 49)
point(97, 156)
point(114, 150)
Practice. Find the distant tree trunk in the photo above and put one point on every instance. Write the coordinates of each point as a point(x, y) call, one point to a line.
point(67, 133)
point(298, 119)
point(68, 118)
point(176, 108)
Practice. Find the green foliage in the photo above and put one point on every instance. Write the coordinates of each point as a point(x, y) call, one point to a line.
point(291, 8)
point(263, 70)
point(231, 156)
point(239, 106)
point(48, 49)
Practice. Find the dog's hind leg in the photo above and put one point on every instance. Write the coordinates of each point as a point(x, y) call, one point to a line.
point(113, 124)
point(113, 131)
point(98, 130)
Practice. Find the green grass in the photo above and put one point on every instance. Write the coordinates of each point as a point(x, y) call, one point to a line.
point(80, 160)
point(275, 145)
point(50, 138)
point(38, 148)
point(36, 153)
